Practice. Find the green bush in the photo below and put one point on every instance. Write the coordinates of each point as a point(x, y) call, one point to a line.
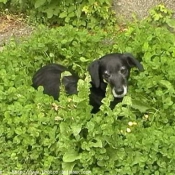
point(89, 14)
point(39, 134)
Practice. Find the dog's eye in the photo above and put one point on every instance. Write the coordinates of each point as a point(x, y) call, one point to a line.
point(123, 70)
point(106, 75)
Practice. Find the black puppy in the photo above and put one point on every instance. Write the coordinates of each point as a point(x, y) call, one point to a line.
point(113, 69)
point(49, 77)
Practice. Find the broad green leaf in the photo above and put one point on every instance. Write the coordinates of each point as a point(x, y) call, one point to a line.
point(67, 167)
point(127, 100)
point(39, 3)
point(13, 156)
point(63, 127)
point(18, 130)
point(63, 14)
point(76, 129)
point(71, 156)
point(140, 105)
point(72, 14)
point(50, 12)
point(171, 22)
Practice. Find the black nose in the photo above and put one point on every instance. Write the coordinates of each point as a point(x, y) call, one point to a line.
point(119, 91)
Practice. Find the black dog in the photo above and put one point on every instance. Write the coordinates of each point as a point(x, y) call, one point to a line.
point(49, 77)
point(113, 69)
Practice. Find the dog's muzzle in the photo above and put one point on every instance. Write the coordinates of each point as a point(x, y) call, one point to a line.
point(120, 92)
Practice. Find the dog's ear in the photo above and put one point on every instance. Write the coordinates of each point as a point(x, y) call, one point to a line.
point(132, 62)
point(94, 73)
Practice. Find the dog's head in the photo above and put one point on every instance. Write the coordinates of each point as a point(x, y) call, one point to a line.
point(115, 70)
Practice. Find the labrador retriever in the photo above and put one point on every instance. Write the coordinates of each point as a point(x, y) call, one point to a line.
point(113, 69)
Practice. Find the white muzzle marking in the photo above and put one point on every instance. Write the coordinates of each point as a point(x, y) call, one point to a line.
point(120, 95)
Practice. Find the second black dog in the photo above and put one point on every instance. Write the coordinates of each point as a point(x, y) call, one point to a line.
point(113, 69)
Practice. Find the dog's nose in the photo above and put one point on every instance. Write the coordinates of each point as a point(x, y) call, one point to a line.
point(119, 91)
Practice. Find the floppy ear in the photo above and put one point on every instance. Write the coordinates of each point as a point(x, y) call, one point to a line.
point(94, 73)
point(132, 62)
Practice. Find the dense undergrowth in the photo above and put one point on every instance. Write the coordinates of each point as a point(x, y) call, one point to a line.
point(40, 135)
point(87, 14)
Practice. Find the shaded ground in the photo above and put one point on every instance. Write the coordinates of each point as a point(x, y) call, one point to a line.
point(12, 26)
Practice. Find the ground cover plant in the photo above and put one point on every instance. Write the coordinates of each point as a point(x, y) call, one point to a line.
point(41, 135)
point(79, 13)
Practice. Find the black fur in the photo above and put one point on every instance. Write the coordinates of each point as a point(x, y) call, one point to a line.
point(113, 69)
point(49, 77)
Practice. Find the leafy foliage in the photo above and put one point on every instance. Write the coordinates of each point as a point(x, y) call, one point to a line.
point(137, 137)
point(88, 14)
point(161, 14)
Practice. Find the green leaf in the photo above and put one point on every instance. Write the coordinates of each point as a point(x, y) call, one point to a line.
point(127, 100)
point(76, 129)
point(72, 8)
point(140, 105)
point(50, 12)
point(63, 14)
point(97, 143)
point(171, 22)
point(68, 167)
point(166, 84)
point(145, 46)
point(83, 59)
point(39, 3)
point(13, 156)
point(78, 99)
point(71, 156)
point(67, 19)
point(18, 130)
point(4, 1)
point(65, 73)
